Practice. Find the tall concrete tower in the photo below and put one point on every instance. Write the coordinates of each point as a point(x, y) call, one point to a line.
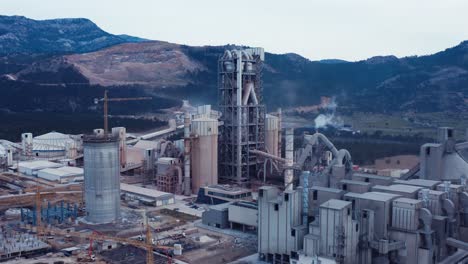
point(243, 114)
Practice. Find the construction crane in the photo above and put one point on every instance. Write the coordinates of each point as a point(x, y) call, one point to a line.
point(106, 101)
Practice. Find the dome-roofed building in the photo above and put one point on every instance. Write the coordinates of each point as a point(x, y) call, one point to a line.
point(52, 145)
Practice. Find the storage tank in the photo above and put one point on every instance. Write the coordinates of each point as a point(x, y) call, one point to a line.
point(121, 134)
point(271, 134)
point(204, 155)
point(101, 178)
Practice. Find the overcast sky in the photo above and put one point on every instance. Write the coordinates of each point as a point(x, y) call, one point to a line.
point(316, 29)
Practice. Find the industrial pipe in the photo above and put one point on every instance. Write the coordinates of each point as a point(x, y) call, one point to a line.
point(426, 218)
point(449, 209)
point(187, 145)
point(288, 173)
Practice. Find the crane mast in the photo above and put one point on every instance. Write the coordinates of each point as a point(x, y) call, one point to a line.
point(106, 101)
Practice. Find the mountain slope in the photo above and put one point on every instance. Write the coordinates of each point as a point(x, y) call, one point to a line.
point(384, 84)
point(23, 35)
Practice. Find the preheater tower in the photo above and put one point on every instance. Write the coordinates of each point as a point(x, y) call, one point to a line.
point(102, 178)
point(243, 114)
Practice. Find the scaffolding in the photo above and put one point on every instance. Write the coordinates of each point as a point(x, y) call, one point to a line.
point(243, 114)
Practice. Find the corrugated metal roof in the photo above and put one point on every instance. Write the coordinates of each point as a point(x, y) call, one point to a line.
point(144, 191)
point(52, 141)
point(39, 164)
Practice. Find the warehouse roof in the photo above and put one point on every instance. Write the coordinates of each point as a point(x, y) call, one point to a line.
point(64, 171)
point(152, 193)
point(39, 164)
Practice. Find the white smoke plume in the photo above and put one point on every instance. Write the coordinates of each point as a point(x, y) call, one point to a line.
point(329, 118)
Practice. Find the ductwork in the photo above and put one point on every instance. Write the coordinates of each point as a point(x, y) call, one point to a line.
point(249, 92)
point(326, 141)
point(227, 55)
point(464, 205)
point(426, 218)
point(449, 209)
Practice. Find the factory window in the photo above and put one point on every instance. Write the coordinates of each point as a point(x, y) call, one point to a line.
point(260, 193)
point(449, 133)
point(314, 195)
point(349, 211)
point(357, 227)
point(364, 214)
point(345, 187)
point(366, 180)
point(286, 197)
point(149, 153)
point(293, 232)
point(37, 154)
point(276, 207)
point(428, 151)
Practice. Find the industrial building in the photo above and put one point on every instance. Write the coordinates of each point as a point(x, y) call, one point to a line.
point(64, 174)
point(240, 215)
point(32, 168)
point(351, 217)
point(216, 194)
point(145, 195)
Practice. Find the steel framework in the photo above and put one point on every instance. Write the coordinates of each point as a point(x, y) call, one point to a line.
point(243, 114)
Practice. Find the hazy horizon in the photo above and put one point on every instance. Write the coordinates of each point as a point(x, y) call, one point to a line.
point(333, 29)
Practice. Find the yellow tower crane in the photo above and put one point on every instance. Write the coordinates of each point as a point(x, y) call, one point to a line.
point(106, 101)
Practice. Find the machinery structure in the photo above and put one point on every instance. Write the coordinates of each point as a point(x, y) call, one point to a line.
point(337, 215)
point(243, 114)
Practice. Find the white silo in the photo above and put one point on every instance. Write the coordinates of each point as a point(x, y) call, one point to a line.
point(102, 178)
point(271, 134)
point(204, 152)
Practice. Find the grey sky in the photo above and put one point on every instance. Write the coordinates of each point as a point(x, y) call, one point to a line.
point(316, 29)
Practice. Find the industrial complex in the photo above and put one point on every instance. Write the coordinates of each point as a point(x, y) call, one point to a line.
point(226, 184)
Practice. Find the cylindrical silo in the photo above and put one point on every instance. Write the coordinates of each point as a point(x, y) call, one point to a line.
point(102, 178)
point(204, 152)
point(271, 134)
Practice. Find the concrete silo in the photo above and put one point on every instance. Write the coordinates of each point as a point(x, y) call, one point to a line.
point(102, 178)
point(271, 134)
point(204, 152)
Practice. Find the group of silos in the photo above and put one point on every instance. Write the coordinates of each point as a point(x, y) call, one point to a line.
point(201, 150)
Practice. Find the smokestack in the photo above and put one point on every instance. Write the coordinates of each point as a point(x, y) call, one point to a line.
point(289, 153)
point(186, 188)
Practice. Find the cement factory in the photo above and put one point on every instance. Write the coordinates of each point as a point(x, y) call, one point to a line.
point(226, 184)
